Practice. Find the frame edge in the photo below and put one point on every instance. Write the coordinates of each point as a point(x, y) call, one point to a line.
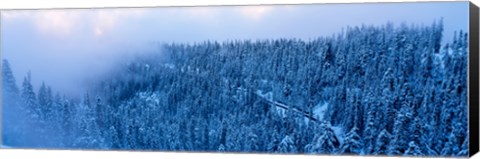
point(473, 112)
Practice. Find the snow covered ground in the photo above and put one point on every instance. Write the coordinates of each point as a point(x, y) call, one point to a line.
point(319, 111)
point(338, 132)
point(267, 95)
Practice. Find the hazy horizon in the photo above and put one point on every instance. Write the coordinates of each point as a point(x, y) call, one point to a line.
point(64, 47)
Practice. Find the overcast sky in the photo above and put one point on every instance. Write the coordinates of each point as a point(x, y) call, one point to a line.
point(63, 47)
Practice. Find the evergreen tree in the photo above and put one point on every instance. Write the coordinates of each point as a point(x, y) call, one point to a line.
point(401, 127)
point(45, 101)
point(274, 142)
point(370, 130)
point(89, 132)
point(464, 149)
point(382, 143)
point(11, 108)
point(29, 97)
point(287, 145)
point(451, 147)
point(413, 149)
point(352, 143)
point(114, 140)
point(221, 148)
point(9, 85)
point(325, 141)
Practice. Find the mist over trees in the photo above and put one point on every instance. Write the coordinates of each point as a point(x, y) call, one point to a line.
point(387, 91)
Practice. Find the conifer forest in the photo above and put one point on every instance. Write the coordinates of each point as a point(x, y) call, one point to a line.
point(369, 90)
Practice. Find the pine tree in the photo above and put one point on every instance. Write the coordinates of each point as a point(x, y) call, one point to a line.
point(252, 142)
point(272, 146)
point(370, 130)
point(45, 101)
point(87, 127)
point(114, 141)
point(325, 142)
point(400, 133)
point(401, 127)
point(451, 147)
point(287, 145)
point(9, 85)
point(29, 97)
point(387, 111)
point(11, 109)
point(382, 143)
point(413, 149)
point(66, 121)
point(352, 143)
point(221, 148)
point(464, 149)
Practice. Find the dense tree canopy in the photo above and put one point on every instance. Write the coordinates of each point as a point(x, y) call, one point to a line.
point(387, 91)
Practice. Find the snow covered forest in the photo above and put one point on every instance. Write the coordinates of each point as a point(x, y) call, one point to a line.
point(369, 90)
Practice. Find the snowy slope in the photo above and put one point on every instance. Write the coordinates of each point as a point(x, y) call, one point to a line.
point(319, 111)
point(338, 132)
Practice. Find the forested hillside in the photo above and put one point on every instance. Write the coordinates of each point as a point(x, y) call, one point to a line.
point(370, 90)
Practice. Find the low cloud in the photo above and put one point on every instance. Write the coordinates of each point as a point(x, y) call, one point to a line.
point(64, 47)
